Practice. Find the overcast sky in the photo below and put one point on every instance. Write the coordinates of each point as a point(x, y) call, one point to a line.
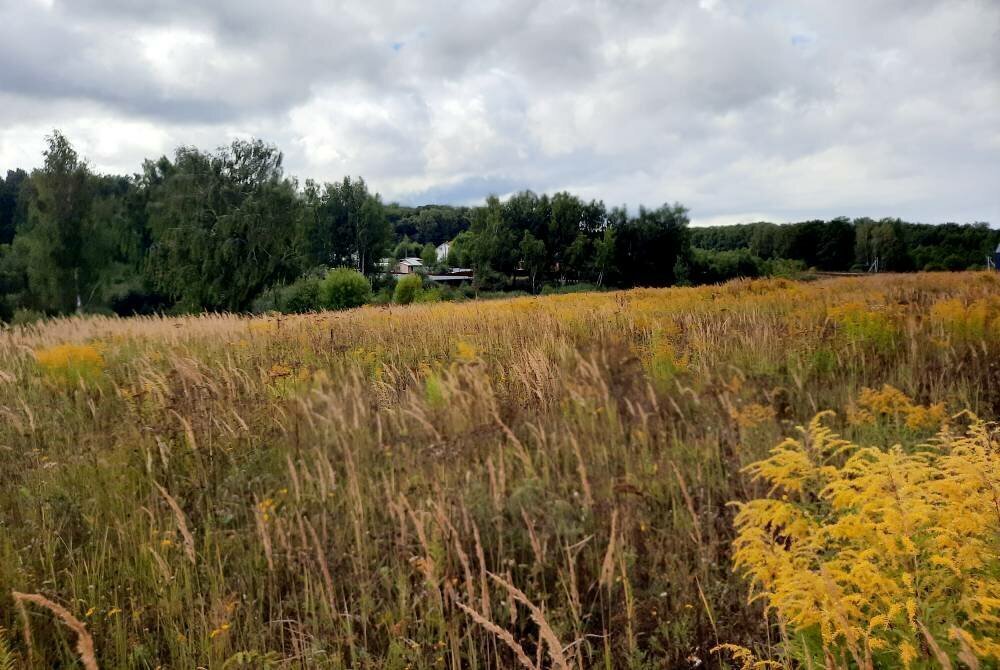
point(741, 110)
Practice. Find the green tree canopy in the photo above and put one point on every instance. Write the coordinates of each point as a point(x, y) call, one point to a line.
point(650, 246)
point(346, 226)
point(343, 288)
point(223, 225)
point(407, 289)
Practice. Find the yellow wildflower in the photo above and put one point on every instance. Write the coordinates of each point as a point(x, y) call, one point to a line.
point(852, 540)
point(70, 363)
point(465, 352)
point(752, 415)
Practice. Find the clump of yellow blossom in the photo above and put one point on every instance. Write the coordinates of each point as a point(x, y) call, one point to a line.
point(266, 508)
point(279, 370)
point(219, 630)
point(752, 415)
point(963, 322)
point(70, 363)
point(262, 327)
point(878, 557)
point(862, 323)
point(745, 658)
point(891, 403)
point(465, 352)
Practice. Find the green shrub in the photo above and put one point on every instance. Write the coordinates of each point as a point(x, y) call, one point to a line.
point(785, 267)
point(24, 317)
point(713, 267)
point(954, 262)
point(267, 301)
point(453, 294)
point(302, 295)
point(343, 288)
point(490, 280)
point(407, 289)
point(383, 296)
point(428, 295)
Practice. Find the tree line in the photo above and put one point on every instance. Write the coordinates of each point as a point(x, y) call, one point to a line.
point(215, 230)
point(858, 245)
point(229, 230)
point(201, 231)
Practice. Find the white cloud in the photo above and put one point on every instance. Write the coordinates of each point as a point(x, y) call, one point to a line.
point(739, 110)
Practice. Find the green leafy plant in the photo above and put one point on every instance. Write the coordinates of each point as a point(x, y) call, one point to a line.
point(407, 289)
point(343, 288)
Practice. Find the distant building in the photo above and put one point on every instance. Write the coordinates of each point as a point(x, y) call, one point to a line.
point(408, 266)
point(442, 251)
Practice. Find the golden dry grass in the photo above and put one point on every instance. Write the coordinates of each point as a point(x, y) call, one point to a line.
point(539, 482)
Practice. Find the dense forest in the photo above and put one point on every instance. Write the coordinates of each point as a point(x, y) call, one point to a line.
point(229, 230)
point(857, 245)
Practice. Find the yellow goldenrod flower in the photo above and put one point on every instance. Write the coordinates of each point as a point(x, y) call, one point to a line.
point(71, 363)
point(856, 543)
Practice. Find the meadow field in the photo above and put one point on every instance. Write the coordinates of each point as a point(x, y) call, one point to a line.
point(551, 482)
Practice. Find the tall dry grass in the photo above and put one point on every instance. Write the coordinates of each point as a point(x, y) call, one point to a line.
point(539, 482)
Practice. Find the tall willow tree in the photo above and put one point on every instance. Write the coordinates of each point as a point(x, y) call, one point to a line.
point(223, 225)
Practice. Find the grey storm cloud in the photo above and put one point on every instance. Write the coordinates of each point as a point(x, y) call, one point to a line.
point(740, 109)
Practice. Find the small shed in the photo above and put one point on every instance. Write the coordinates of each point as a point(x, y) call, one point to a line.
point(408, 266)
